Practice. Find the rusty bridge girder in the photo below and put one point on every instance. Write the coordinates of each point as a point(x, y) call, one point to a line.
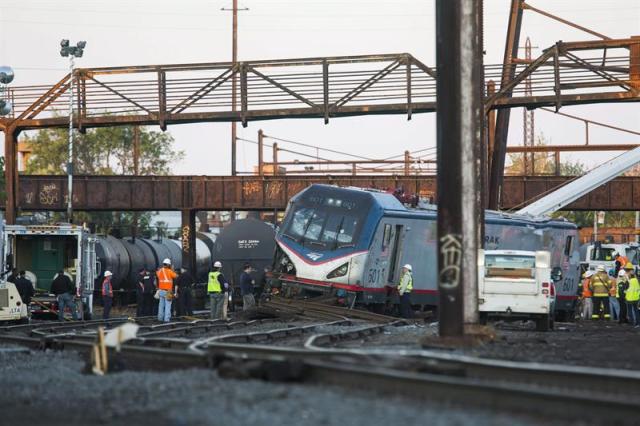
point(268, 193)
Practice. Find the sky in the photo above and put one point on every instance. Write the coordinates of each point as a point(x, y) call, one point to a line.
point(140, 32)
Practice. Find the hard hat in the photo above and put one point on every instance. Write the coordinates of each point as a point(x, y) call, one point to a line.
point(589, 274)
point(600, 268)
point(407, 266)
point(621, 273)
point(107, 273)
point(628, 266)
point(167, 261)
point(616, 254)
point(217, 264)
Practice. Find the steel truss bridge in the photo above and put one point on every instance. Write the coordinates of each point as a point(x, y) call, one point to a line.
point(564, 74)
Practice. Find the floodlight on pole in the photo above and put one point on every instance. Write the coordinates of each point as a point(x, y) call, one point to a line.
point(72, 52)
point(6, 77)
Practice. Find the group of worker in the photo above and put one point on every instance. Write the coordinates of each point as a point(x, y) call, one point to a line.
point(165, 285)
point(612, 295)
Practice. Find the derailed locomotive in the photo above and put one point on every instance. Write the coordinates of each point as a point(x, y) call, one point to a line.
point(357, 240)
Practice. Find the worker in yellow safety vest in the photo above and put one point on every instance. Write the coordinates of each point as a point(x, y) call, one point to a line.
point(404, 291)
point(632, 297)
point(217, 288)
point(600, 284)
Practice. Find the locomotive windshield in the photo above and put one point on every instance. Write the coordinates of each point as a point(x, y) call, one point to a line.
point(326, 222)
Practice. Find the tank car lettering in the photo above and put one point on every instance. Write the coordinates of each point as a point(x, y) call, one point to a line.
point(248, 244)
point(491, 239)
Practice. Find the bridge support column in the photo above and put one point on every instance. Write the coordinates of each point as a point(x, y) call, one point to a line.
point(459, 131)
point(188, 234)
point(634, 63)
point(502, 121)
point(10, 173)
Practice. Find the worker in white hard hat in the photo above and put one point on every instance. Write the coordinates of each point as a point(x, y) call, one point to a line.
point(404, 291)
point(165, 276)
point(107, 295)
point(218, 291)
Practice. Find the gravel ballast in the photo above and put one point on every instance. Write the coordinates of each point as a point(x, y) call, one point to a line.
point(50, 388)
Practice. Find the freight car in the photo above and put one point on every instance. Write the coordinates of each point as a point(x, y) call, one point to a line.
point(357, 240)
point(243, 241)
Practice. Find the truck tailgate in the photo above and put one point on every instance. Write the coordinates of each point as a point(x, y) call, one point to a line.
point(496, 285)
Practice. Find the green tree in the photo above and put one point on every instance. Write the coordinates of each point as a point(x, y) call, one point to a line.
point(105, 151)
point(102, 151)
point(544, 163)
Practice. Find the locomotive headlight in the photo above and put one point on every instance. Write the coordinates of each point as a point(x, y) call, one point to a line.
point(340, 271)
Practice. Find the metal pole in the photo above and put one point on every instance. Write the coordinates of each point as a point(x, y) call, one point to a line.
point(70, 160)
point(260, 152)
point(637, 227)
point(234, 61)
point(275, 158)
point(595, 226)
point(10, 163)
point(459, 133)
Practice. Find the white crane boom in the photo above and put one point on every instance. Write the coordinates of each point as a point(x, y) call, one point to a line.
point(583, 185)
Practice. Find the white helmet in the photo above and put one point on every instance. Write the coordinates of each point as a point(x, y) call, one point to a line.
point(615, 254)
point(167, 261)
point(407, 266)
point(621, 273)
point(600, 268)
point(588, 274)
point(217, 264)
point(107, 273)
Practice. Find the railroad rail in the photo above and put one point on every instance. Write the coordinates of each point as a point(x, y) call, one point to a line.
point(554, 390)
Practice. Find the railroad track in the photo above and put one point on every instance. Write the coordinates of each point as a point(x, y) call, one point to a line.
point(309, 307)
point(552, 390)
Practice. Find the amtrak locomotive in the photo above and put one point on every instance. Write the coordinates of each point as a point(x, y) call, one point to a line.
point(357, 240)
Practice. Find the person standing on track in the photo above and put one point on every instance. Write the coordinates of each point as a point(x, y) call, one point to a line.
point(24, 287)
point(145, 284)
point(246, 288)
point(165, 276)
point(107, 294)
point(404, 290)
point(587, 303)
point(632, 297)
point(184, 283)
point(600, 285)
point(217, 289)
point(622, 284)
point(64, 290)
point(614, 306)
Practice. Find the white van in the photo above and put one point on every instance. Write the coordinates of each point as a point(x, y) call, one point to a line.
point(517, 285)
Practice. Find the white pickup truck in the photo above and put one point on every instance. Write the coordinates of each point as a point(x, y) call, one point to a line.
point(516, 285)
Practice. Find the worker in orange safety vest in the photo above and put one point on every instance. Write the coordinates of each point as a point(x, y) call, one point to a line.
point(165, 276)
point(587, 303)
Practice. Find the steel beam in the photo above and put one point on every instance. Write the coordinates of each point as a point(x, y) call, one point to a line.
point(188, 236)
point(268, 192)
point(10, 173)
point(502, 120)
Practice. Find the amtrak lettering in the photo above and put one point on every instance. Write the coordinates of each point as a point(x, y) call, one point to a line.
point(491, 241)
point(451, 252)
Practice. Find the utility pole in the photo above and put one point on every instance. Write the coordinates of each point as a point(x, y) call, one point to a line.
point(459, 135)
point(136, 171)
point(234, 81)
